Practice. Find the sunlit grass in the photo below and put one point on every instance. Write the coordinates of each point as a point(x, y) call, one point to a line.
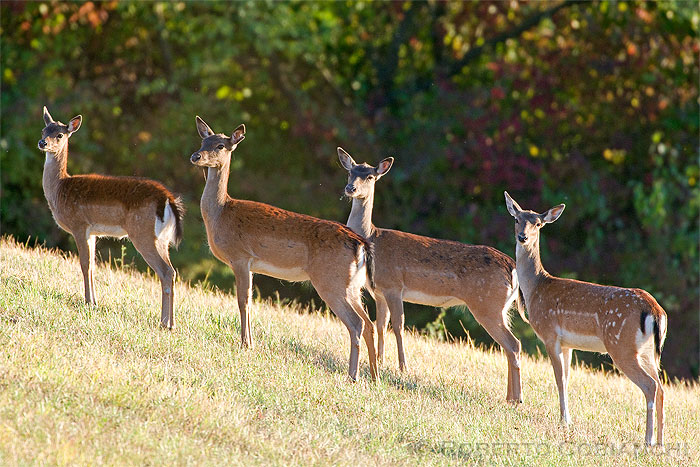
point(83, 385)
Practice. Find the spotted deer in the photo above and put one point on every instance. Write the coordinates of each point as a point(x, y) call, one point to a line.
point(253, 237)
point(568, 314)
point(91, 206)
point(433, 272)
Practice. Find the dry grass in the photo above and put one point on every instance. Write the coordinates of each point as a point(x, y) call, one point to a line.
point(81, 385)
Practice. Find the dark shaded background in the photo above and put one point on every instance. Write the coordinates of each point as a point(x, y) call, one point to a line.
point(593, 104)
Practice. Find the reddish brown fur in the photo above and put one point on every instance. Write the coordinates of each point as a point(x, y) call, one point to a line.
point(474, 261)
point(434, 272)
point(568, 314)
point(253, 237)
point(130, 192)
point(88, 206)
point(291, 224)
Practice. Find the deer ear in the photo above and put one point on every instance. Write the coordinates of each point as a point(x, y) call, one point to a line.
point(345, 160)
point(553, 214)
point(384, 166)
point(203, 128)
point(75, 123)
point(47, 117)
point(238, 134)
point(513, 207)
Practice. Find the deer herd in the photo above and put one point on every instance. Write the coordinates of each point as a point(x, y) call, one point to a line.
point(341, 261)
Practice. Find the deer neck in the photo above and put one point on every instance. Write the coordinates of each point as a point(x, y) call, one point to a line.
point(360, 220)
point(529, 267)
point(55, 169)
point(215, 190)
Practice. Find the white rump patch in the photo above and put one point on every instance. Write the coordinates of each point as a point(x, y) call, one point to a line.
point(165, 229)
point(360, 278)
point(649, 324)
point(643, 338)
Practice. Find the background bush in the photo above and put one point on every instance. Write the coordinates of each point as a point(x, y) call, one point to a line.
point(592, 104)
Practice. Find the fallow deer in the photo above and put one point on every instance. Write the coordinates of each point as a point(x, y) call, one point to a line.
point(568, 314)
point(253, 237)
point(90, 206)
point(433, 272)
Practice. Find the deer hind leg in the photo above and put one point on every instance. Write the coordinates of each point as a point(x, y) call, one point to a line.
point(629, 363)
point(340, 307)
point(496, 325)
point(244, 291)
point(395, 302)
point(157, 256)
point(643, 372)
point(367, 332)
point(566, 363)
point(85, 254)
point(382, 319)
point(649, 365)
point(556, 356)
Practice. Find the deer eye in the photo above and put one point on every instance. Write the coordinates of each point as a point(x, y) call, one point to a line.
point(60, 135)
point(221, 146)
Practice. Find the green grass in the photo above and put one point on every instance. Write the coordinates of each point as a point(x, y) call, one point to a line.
point(82, 385)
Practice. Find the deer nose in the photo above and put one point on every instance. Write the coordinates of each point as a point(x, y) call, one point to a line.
point(195, 157)
point(350, 189)
point(522, 238)
point(42, 143)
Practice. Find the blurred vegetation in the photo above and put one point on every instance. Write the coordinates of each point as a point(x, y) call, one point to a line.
point(594, 104)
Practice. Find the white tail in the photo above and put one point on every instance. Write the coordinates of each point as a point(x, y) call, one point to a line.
point(90, 206)
point(567, 314)
point(258, 238)
point(433, 272)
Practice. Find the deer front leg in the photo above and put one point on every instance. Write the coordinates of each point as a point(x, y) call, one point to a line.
point(91, 249)
point(557, 358)
point(395, 302)
point(85, 255)
point(244, 289)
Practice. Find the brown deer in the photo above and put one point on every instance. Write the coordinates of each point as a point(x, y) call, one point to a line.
point(254, 237)
point(433, 272)
point(568, 314)
point(90, 206)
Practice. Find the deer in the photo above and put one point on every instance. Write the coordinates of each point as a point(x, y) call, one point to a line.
point(566, 314)
point(252, 237)
point(90, 206)
point(428, 271)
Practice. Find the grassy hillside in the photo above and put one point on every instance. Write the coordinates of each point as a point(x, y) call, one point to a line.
point(82, 385)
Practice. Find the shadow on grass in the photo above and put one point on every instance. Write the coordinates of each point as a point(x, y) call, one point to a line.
point(406, 382)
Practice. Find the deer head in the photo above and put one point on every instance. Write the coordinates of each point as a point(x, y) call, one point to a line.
point(54, 136)
point(216, 148)
point(362, 177)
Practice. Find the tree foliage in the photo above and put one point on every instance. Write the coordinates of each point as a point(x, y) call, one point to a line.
point(594, 104)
